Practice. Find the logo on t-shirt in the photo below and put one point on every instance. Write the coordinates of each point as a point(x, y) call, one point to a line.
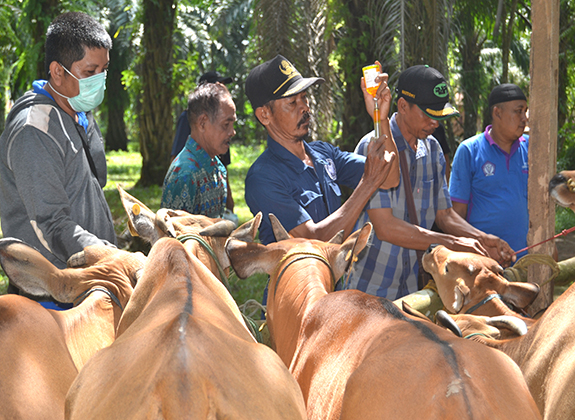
point(330, 169)
point(488, 169)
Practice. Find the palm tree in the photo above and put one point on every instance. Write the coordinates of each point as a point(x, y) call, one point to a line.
point(120, 17)
point(156, 121)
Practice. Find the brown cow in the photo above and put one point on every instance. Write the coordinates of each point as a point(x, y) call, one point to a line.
point(182, 347)
point(545, 354)
point(357, 356)
point(562, 189)
point(183, 352)
point(472, 283)
point(42, 350)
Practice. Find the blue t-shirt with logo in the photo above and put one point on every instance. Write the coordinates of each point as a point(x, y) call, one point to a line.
point(493, 184)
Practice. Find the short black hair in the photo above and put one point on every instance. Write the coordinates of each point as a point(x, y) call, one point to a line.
point(205, 99)
point(69, 35)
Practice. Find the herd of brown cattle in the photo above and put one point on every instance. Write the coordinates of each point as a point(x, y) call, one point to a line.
point(160, 336)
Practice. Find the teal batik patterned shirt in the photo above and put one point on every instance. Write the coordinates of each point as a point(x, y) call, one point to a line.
point(195, 182)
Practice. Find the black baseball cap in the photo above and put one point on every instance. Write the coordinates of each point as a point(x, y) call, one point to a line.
point(505, 93)
point(214, 77)
point(426, 87)
point(276, 79)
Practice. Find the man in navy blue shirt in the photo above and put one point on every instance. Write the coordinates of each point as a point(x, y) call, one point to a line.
point(298, 181)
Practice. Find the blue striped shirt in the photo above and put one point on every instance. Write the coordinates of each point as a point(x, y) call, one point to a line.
point(385, 269)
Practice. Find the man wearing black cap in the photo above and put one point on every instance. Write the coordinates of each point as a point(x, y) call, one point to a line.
point(298, 181)
point(490, 171)
point(390, 266)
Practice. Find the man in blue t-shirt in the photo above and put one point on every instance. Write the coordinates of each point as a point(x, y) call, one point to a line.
point(490, 171)
point(298, 181)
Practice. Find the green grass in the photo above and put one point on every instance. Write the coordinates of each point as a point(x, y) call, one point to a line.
point(124, 170)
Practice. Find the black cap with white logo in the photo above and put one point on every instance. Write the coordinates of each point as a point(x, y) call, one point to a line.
point(426, 87)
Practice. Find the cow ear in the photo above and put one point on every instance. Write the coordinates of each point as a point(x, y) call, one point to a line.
point(141, 220)
point(351, 248)
point(279, 231)
point(248, 231)
point(26, 268)
point(248, 258)
point(221, 229)
point(520, 294)
point(461, 293)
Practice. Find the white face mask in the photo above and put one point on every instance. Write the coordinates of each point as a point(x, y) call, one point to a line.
point(91, 92)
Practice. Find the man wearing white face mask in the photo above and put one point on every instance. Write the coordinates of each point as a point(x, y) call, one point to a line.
point(52, 161)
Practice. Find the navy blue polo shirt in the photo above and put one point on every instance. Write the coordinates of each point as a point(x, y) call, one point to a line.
point(280, 183)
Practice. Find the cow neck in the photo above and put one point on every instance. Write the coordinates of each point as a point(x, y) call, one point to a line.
point(206, 246)
point(301, 255)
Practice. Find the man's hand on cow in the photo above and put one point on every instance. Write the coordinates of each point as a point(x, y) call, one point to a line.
point(499, 250)
point(465, 244)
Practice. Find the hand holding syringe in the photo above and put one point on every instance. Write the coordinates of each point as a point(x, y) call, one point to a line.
point(377, 98)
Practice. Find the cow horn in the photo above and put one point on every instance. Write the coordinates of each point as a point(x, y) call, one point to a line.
point(512, 323)
point(337, 238)
point(221, 229)
point(164, 224)
point(77, 260)
point(443, 319)
point(279, 231)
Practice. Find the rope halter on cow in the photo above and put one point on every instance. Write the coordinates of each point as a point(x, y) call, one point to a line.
point(483, 302)
point(301, 255)
point(210, 250)
point(88, 292)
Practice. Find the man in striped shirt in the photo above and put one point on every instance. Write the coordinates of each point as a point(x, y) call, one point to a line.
point(389, 267)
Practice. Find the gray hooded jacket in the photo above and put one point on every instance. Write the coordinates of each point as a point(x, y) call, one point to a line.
point(49, 197)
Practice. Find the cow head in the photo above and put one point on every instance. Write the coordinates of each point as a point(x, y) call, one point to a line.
point(248, 257)
point(105, 266)
point(562, 189)
point(464, 279)
point(151, 226)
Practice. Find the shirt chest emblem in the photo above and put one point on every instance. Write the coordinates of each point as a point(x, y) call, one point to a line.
point(488, 169)
point(330, 169)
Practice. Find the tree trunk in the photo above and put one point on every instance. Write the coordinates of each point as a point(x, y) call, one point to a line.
point(358, 52)
point(506, 43)
point(44, 13)
point(543, 125)
point(471, 76)
point(156, 121)
point(117, 101)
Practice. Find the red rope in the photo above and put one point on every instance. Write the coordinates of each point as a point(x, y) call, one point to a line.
point(564, 232)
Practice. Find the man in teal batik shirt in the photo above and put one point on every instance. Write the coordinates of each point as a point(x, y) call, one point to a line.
point(196, 179)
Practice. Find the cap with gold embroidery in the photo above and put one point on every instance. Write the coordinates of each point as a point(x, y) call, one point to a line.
point(426, 87)
point(276, 79)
